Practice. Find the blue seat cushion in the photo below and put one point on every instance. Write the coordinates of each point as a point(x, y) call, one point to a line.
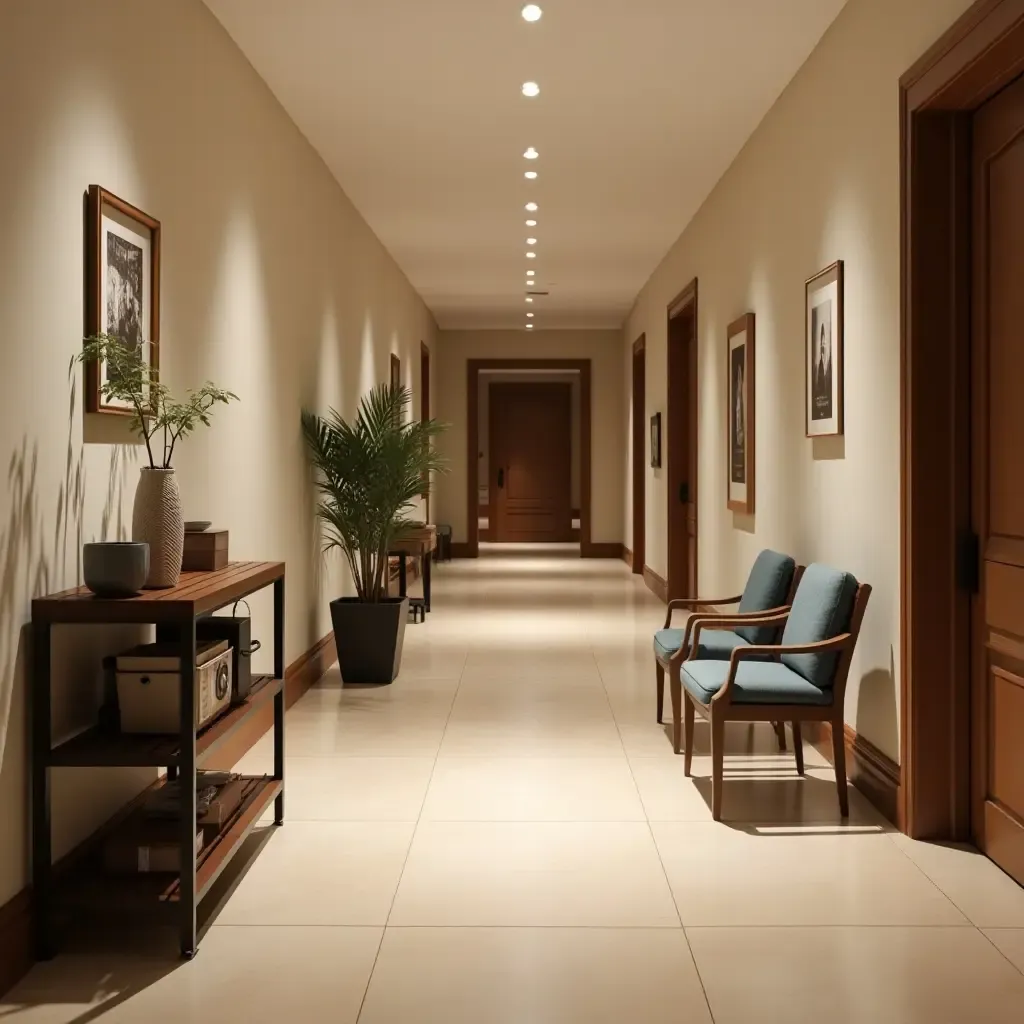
point(821, 610)
point(757, 682)
point(714, 643)
point(768, 585)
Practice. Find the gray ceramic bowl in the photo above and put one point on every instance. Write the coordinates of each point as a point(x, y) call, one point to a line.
point(115, 568)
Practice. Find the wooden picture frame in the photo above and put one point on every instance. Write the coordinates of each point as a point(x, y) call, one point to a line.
point(823, 352)
point(656, 441)
point(122, 286)
point(740, 415)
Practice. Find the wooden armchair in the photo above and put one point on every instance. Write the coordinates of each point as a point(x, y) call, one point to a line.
point(801, 679)
point(768, 590)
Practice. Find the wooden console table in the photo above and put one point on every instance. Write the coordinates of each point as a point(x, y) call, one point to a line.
point(198, 594)
point(416, 544)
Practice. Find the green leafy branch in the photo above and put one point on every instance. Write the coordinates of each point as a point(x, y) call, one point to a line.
point(154, 410)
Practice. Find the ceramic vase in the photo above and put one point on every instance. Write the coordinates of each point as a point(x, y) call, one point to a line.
point(157, 521)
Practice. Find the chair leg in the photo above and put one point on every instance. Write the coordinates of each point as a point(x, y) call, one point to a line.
point(780, 733)
point(839, 759)
point(798, 747)
point(676, 692)
point(660, 669)
point(688, 713)
point(717, 761)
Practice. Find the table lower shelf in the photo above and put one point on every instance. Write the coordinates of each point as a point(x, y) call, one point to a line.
point(97, 748)
point(90, 889)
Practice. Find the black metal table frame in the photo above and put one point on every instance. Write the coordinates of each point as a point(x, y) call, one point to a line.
point(41, 710)
point(425, 558)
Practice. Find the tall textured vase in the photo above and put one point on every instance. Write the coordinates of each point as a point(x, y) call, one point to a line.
point(158, 522)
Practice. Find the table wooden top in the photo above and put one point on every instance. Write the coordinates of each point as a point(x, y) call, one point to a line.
point(197, 593)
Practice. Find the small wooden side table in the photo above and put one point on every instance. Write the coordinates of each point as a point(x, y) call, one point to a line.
point(419, 544)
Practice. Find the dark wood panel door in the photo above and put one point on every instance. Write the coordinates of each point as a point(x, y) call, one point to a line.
point(998, 480)
point(641, 440)
point(682, 451)
point(531, 462)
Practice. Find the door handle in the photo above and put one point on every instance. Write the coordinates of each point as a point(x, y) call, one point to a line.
point(684, 494)
point(501, 477)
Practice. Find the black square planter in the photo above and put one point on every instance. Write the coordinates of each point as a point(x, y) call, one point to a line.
point(369, 638)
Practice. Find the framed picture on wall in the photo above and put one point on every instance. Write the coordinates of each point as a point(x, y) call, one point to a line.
point(823, 361)
point(396, 370)
point(740, 414)
point(656, 440)
point(122, 286)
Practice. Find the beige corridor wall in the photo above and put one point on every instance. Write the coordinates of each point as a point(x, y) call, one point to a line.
point(817, 182)
point(272, 285)
point(456, 348)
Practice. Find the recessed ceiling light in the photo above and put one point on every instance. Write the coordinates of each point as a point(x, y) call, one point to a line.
point(531, 154)
point(531, 89)
point(532, 207)
point(530, 175)
point(531, 314)
point(531, 255)
point(531, 223)
point(531, 241)
point(529, 327)
point(531, 12)
point(530, 273)
point(529, 298)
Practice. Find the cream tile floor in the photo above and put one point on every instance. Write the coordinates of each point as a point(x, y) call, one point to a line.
point(505, 837)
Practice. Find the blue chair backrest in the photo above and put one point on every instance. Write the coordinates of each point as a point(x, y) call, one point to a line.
point(767, 587)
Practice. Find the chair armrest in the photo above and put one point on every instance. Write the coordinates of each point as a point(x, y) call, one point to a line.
point(694, 602)
point(769, 617)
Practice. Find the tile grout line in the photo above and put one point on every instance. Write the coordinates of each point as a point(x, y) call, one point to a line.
point(412, 839)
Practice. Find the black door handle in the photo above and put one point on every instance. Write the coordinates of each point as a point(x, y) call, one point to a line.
point(501, 477)
point(684, 494)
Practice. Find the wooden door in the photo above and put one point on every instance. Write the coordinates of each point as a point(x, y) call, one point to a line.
point(682, 447)
point(425, 414)
point(997, 717)
point(531, 462)
point(640, 455)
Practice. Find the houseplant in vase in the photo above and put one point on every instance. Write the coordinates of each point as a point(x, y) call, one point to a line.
point(370, 473)
point(161, 421)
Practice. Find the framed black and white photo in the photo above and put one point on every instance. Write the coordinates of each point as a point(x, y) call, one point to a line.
point(740, 414)
point(122, 286)
point(656, 440)
point(824, 352)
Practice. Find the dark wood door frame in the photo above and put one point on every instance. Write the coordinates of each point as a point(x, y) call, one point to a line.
point(678, 418)
point(639, 540)
point(474, 367)
point(981, 54)
point(425, 409)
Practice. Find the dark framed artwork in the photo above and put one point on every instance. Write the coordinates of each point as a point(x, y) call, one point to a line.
point(656, 440)
point(122, 286)
point(740, 414)
point(823, 354)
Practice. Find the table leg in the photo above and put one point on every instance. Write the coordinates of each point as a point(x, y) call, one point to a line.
point(427, 559)
point(42, 857)
point(279, 698)
point(187, 792)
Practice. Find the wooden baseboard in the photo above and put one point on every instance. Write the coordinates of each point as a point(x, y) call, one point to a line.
point(16, 915)
point(627, 556)
point(602, 551)
point(655, 584)
point(875, 774)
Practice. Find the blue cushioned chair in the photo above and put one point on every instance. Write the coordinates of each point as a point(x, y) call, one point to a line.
point(768, 590)
point(800, 679)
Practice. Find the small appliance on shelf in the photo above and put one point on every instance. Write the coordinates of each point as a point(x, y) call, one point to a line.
point(149, 686)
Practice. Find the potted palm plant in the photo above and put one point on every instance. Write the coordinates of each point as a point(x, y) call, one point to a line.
point(370, 473)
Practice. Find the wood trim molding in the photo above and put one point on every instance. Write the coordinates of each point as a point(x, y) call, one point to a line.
point(979, 55)
point(627, 556)
point(601, 550)
point(16, 915)
point(640, 432)
point(470, 548)
point(875, 774)
point(655, 584)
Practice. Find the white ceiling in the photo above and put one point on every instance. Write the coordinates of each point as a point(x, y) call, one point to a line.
point(415, 106)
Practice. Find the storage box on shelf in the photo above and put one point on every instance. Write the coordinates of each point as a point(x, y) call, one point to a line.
point(196, 595)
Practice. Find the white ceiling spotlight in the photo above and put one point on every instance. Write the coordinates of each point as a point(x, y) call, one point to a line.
point(529, 327)
point(531, 154)
point(531, 89)
point(530, 175)
point(531, 12)
point(531, 223)
point(530, 273)
point(529, 298)
point(531, 314)
point(531, 241)
point(532, 207)
point(531, 255)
